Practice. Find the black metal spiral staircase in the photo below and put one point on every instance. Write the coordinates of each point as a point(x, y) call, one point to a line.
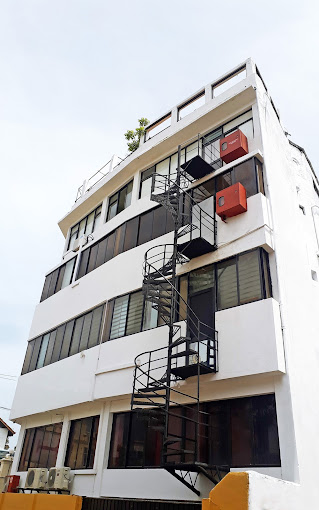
point(158, 388)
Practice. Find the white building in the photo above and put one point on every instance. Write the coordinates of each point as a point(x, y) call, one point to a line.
point(248, 286)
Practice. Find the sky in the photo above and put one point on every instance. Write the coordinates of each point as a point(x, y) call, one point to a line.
point(76, 74)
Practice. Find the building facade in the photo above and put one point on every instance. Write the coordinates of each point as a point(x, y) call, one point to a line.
point(171, 339)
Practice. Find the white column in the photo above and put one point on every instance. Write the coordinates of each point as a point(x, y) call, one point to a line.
point(102, 447)
point(63, 441)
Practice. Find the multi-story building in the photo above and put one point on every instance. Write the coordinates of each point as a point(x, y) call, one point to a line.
point(178, 332)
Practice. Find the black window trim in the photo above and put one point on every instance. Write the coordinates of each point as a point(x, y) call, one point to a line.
point(25, 370)
point(113, 195)
point(203, 136)
point(59, 269)
point(90, 440)
point(78, 224)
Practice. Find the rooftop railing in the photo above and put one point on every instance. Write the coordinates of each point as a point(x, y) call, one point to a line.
point(173, 116)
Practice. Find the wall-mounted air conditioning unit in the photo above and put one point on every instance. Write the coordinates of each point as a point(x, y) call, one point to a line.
point(59, 478)
point(36, 478)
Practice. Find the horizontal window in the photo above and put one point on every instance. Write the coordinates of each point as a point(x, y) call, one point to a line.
point(238, 432)
point(129, 314)
point(85, 227)
point(235, 281)
point(58, 279)
point(207, 147)
point(82, 443)
point(40, 447)
point(130, 234)
point(71, 337)
point(120, 200)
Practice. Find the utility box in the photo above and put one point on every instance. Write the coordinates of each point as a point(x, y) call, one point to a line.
point(231, 201)
point(233, 146)
point(13, 483)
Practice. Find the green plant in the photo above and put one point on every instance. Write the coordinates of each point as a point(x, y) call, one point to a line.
point(134, 137)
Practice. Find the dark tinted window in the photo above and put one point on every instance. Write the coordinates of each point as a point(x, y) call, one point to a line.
point(240, 432)
point(68, 339)
point(82, 443)
point(131, 233)
point(40, 447)
point(145, 229)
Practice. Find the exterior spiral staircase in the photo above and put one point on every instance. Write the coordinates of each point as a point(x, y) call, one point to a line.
point(158, 389)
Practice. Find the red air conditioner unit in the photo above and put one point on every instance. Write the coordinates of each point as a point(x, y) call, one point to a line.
point(233, 146)
point(231, 201)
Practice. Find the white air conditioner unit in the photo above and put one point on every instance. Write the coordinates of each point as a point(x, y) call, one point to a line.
point(59, 478)
point(36, 478)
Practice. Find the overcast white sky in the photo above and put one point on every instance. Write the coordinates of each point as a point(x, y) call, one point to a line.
point(76, 74)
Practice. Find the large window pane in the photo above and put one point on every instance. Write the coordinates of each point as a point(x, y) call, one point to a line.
point(89, 224)
point(233, 124)
point(110, 246)
point(92, 258)
point(117, 456)
point(28, 357)
point(95, 326)
point(249, 277)
point(265, 431)
point(100, 258)
point(131, 232)
point(36, 448)
point(26, 450)
point(159, 222)
point(83, 263)
point(119, 240)
point(145, 230)
point(119, 317)
point(135, 313)
point(54, 446)
point(35, 353)
point(50, 348)
point(227, 294)
point(58, 344)
point(201, 279)
point(60, 279)
point(245, 173)
point(73, 444)
point(67, 340)
point(150, 316)
point(82, 443)
point(68, 273)
point(85, 331)
point(241, 433)
point(43, 350)
point(219, 440)
point(46, 286)
point(53, 282)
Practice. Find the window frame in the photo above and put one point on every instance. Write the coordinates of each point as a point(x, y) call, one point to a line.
point(218, 161)
point(35, 344)
point(95, 423)
point(76, 226)
point(117, 195)
point(58, 271)
point(32, 432)
point(229, 407)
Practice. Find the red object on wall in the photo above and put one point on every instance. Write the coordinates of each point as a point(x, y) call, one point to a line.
point(231, 201)
point(13, 483)
point(233, 146)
